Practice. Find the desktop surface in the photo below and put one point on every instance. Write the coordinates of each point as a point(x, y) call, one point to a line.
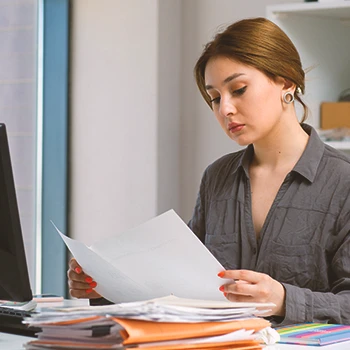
point(13, 341)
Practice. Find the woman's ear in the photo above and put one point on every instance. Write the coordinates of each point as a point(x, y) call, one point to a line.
point(288, 85)
point(285, 84)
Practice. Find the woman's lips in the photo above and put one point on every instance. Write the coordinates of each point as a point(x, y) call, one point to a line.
point(234, 127)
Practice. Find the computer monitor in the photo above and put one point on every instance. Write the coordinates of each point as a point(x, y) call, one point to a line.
point(14, 278)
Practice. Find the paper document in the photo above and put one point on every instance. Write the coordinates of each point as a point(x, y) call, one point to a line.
point(158, 258)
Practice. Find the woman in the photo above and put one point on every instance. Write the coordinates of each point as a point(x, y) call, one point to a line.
point(276, 214)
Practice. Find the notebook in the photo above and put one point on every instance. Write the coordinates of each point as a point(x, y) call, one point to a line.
point(314, 334)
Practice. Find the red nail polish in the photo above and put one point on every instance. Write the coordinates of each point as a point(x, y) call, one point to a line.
point(93, 284)
point(221, 274)
point(225, 294)
point(88, 291)
point(88, 279)
point(78, 270)
point(222, 288)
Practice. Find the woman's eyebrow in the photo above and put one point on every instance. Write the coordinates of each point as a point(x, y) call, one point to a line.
point(227, 80)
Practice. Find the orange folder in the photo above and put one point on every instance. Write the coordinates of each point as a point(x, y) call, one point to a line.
point(57, 344)
point(236, 345)
point(136, 331)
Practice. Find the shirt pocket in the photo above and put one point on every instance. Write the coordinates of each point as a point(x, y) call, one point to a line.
point(299, 265)
point(225, 248)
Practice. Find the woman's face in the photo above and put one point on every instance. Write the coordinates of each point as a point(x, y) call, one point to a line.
point(247, 104)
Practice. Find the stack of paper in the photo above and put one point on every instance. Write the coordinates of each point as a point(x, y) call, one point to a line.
point(167, 323)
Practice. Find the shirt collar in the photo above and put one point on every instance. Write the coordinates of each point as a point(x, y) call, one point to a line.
point(308, 163)
point(245, 160)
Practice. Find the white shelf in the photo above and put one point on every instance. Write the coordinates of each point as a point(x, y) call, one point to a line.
point(341, 145)
point(321, 33)
point(332, 10)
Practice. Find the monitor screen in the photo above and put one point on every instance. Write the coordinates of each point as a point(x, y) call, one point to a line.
point(14, 279)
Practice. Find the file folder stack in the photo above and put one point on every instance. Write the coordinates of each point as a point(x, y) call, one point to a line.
point(161, 324)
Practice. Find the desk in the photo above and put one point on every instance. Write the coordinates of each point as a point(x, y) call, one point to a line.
point(13, 341)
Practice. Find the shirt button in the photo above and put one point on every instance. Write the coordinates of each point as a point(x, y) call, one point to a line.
point(254, 251)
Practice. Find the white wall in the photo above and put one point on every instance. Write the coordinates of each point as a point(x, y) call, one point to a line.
point(169, 105)
point(113, 135)
point(141, 135)
point(18, 58)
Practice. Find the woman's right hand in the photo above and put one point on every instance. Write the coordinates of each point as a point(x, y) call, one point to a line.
point(80, 284)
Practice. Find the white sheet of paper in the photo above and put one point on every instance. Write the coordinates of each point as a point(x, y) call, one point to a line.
point(212, 305)
point(158, 258)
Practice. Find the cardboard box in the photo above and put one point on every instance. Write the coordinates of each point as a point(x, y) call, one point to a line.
point(335, 115)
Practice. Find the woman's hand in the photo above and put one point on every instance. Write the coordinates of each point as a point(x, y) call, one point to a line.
point(80, 284)
point(253, 286)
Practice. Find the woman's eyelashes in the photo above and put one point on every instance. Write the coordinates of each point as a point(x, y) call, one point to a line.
point(215, 100)
point(240, 91)
point(237, 92)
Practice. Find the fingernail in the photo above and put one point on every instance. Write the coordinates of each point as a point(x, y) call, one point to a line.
point(88, 279)
point(221, 274)
point(93, 284)
point(225, 294)
point(88, 291)
point(78, 270)
point(222, 288)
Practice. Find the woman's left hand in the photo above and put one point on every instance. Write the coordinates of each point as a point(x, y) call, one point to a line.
point(251, 286)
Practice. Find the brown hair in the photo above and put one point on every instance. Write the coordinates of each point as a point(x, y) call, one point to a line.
point(261, 44)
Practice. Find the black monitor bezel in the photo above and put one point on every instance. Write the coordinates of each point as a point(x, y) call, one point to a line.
point(14, 277)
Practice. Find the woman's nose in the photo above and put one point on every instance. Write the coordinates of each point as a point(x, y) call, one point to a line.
point(227, 107)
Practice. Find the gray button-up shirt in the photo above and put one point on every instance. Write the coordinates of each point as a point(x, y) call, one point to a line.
point(305, 240)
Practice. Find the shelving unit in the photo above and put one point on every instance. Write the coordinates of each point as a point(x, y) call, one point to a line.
point(341, 145)
point(338, 10)
point(321, 33)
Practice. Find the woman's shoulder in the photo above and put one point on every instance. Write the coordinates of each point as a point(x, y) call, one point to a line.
point(336, 169)
point(337, 158)
point(225, 164)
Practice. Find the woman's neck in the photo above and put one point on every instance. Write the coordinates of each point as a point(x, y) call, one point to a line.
point(282, 148)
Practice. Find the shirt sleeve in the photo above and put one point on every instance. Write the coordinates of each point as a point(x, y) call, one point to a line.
point(197, 222)
point(304, 305)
